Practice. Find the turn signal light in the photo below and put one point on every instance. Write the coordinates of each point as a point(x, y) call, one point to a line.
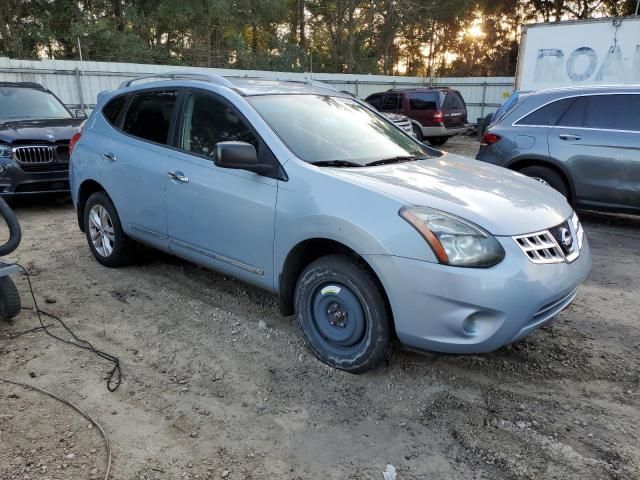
point(438, 117)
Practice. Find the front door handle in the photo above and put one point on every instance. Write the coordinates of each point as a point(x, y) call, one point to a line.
point(178, 177)
point(568, 136)
point(109, 157)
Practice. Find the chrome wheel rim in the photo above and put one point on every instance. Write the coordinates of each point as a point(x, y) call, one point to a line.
point(541, 180)
point(101, 230)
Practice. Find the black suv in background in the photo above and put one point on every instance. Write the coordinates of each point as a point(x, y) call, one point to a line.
point(436, 113)
point(35, 130)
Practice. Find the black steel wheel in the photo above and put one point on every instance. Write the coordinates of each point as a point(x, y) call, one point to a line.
point(342, 314)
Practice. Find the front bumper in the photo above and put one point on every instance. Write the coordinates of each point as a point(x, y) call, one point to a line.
point(476, 310)
point(15, 181)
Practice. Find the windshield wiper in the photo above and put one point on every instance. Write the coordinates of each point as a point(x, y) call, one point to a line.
point(336, 163)
point(399, 159)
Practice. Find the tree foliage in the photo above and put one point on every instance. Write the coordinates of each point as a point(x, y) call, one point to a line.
point(413, 37)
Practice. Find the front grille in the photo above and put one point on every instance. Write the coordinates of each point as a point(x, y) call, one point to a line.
point(561, 243)
point(34, 154)
point(540, 247)
point(405, 125)
point(42, 158)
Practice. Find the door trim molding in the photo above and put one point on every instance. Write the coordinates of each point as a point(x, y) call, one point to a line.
point(217, 256)
point(146, 231)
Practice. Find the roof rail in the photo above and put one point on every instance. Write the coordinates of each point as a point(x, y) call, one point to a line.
point(206, 77)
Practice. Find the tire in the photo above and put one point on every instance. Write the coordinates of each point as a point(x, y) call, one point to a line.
point(438, 141)
point(10, 304)
point(342, 314)
point(15, 233)
point(418, 131)
point(112, 247)
point(549, 177)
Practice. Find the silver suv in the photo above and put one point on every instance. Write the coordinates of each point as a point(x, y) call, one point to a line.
point(363, 232)
point(584, 142)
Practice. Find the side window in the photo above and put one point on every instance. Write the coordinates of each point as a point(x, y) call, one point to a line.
point(423, 101)
point(453, 101)
point(547, 115)
point(149, 115)
point(574, 116)
point(614, 112)
point(112, 109)
point(391, 102)
point(374, 101)
point(208, 121)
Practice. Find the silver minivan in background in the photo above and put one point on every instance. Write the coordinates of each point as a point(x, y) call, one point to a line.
point(363, 232)
point(584, 142)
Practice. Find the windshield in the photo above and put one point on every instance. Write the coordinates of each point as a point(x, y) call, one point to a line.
point(17, 103)
point(333, 129)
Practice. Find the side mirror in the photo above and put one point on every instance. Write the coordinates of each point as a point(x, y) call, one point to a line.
point(80, 114)
point(239, 156)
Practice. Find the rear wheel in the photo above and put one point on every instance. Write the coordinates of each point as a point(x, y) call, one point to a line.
point(10, 304)
point(342, 314)
point(438, 141)
point(418, 132)
point(547, 176)
point(107, 241)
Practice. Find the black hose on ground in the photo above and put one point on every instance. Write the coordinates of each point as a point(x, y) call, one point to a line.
point(15, 234)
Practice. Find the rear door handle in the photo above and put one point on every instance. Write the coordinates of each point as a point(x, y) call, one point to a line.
point(178, 177)
point(568, 136)
point(109, 157)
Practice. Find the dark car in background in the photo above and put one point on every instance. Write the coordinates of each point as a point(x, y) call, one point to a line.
point(35, 131)
point(437, 114)
point(584, 142)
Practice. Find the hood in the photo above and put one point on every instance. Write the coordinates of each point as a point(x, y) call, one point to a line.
point(501, 201)
point(50, 130)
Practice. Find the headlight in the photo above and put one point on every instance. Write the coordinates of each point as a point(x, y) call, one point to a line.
point(5, 151)
point(454, 241)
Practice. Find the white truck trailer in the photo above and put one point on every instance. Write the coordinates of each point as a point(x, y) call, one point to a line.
point(582, 52)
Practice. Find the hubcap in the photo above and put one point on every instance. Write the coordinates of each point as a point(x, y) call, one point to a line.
point(101, 230)
point(338, 317)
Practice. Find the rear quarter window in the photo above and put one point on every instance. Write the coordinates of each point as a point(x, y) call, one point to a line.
point(454, 101)
point(113, 108)
point(149, 115)
point(423, 101)
point(547, 115)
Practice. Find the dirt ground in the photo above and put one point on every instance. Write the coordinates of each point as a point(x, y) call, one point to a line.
point(209, 391)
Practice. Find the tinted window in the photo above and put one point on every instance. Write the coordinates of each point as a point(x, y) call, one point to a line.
point(615, 112)
point(374, 100)
point(208, 121)
point(149, 115)
point(22, 103)
point(112, 110)
point(423, 101)
point(390, 102)
point(547, 115)
point(574, 116)
point(453, 101)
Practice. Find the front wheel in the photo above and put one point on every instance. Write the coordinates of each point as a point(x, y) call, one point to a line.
point(342, 314)
point(107, 241)
point(418, 132)
point(438, 141)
